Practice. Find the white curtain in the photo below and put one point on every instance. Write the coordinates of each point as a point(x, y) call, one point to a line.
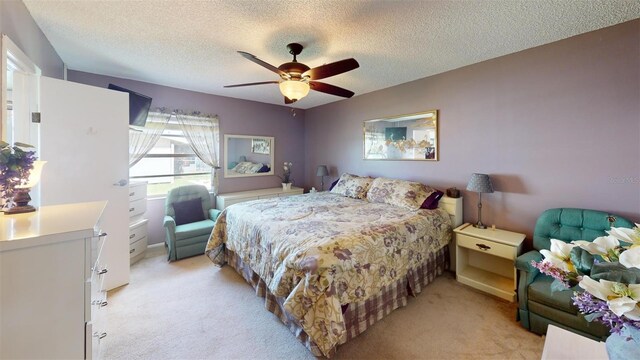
point(143, 138)
point(203, 134)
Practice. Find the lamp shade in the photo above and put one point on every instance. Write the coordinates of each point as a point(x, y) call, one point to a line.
point(322, 171)
point(480, 183)
point(294, 89)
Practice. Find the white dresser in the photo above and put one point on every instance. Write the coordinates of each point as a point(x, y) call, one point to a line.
point(228, 199)
point(51, 276)
point(137, 224)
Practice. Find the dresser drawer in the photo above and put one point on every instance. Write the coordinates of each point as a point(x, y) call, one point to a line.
point(137, 191)
point(137, 207)
point(486, 246)
point(137, 230)
point(137, 249)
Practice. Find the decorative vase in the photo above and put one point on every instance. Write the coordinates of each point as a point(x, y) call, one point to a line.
point(625, 345)
point(286, 186)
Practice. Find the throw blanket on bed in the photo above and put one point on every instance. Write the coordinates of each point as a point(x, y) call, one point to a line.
point(321, 250)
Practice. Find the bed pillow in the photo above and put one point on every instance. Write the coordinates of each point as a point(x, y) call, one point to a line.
point(407, 194)
point(188, 211)
point(431, 202)
point(243, 167)
point(333, 184)
point(255, 168)
point(264, 169)
point(352, 186)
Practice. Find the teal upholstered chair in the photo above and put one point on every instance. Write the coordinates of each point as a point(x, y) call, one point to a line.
point(188, 221)
point(538, 306)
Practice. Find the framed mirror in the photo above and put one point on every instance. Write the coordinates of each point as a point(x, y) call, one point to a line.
point(248, 155)
point(404, 137)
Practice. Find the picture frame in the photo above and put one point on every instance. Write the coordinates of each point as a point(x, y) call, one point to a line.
point(403, 137)
point(260, 146)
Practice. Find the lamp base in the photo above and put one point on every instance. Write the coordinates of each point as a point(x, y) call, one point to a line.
point(20, 209)
point(480, 225)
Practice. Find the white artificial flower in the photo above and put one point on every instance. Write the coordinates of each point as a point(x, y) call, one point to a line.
point(559, 255)
point(622, 299)
point(631, 258)
point(603, 246)
point(625, 234)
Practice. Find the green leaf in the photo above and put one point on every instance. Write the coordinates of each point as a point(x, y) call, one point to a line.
point(582, 260)
point(558, 285)
point(23, 145)
point(593, 316)
point(615, 272)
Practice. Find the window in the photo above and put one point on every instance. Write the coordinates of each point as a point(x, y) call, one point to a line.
point(171, 163)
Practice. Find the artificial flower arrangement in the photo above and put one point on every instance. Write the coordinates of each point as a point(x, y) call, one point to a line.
point(608, 269)
point(286, 175)
point(15, 165)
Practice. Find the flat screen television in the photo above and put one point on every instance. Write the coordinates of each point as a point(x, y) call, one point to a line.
point(138, 106)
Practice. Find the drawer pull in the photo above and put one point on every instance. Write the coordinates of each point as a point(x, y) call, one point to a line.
point(132, 236)
point(132, 251)
point(100, 336)
point(132, 193)
point(102, 234)
point(103, 271)
point(131, 209)
point(103, 304)
point(483, 247)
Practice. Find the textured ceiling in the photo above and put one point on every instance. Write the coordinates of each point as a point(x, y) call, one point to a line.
point(192, 44)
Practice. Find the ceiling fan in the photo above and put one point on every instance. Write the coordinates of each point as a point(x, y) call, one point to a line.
point(297, 78)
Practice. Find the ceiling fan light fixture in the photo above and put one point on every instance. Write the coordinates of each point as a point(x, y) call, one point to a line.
point(294, 89)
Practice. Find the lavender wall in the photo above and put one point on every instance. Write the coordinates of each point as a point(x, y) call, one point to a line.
point(17, 23)
point(555, 126)
point(238, 117)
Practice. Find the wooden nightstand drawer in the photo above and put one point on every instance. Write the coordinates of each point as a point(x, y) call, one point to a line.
point(486, 246)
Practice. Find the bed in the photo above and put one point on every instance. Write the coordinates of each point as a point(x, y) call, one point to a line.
point(329, 266)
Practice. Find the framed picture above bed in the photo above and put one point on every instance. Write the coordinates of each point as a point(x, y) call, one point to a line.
point(402, 137)
point(248, 155)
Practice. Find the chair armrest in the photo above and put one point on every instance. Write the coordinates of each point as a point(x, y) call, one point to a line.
point(523, 262)
point(214, 213)
point(169, 223)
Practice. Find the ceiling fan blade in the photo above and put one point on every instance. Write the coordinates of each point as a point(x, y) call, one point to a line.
point(327, 70)
point(330, 89)
point(251, 84)
point(253, 58)
point(289, 101)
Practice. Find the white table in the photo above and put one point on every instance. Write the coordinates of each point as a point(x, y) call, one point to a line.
point(561, 344)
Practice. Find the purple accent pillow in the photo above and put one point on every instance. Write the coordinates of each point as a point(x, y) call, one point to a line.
point(431, 202)
point(264, 169)
point(188, 211)
point(333, 184)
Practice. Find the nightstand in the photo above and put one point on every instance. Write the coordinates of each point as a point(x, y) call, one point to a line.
point(485, 259)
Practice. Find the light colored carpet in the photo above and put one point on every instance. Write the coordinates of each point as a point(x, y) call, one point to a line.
point(191, 309)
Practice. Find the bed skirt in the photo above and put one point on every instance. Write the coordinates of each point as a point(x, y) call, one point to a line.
point(357, 316)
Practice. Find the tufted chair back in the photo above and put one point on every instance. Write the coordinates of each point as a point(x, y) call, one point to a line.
point(568, 224)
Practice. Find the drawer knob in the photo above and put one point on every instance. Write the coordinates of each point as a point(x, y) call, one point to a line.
point(132, 251)
point(103, 271)
point(131, 209)
point(483, 247)
point(132, 193)
point(100, 336)
point(102, 234)
point(132, 236)
point(104, 303)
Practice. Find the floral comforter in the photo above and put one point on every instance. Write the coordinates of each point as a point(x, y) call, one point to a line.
point(321, 250)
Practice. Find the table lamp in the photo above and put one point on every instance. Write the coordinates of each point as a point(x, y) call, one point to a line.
point(480, 183)
point(322, 172)
point(21, 197)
